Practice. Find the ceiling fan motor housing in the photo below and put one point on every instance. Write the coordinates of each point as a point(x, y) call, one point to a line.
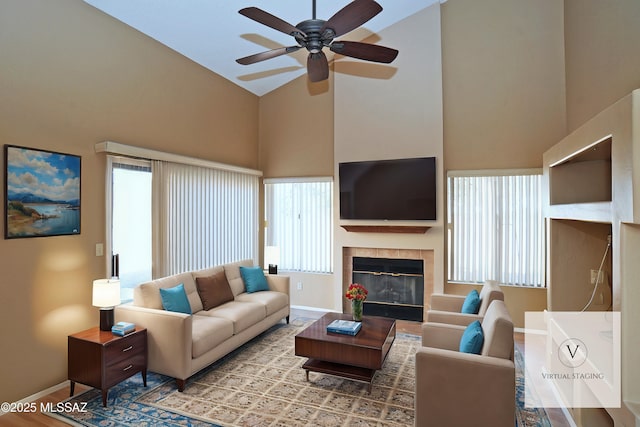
point(315, 38)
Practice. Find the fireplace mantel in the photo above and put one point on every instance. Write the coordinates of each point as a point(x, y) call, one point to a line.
point(408, 229)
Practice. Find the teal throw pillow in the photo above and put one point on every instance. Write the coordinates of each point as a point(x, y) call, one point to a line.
point(254, 279)
point(472, 338)
point(175, 299)
point(471, 304)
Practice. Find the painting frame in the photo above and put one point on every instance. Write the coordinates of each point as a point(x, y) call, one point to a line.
point(42, 190)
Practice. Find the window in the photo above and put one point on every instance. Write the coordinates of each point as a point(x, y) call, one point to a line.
point(496, 227)
point(299, 223)
point(131, 222)
point(203, 217)
point(167, 217)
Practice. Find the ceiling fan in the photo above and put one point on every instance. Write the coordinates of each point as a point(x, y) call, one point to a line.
point(314, 34)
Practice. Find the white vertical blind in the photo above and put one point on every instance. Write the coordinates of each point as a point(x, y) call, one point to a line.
point(496, 228)
point(203, 217)
point(299, 223)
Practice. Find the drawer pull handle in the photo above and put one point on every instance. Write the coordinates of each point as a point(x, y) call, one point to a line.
point(127, 349)
point(128, 367)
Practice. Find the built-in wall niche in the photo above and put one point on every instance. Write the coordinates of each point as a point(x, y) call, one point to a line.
point(576, 249)
point(583, 177)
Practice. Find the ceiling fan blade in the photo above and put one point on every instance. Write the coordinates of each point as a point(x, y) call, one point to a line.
point(352, 16)
point(366, 51)
point(252, 59)
point(317, 67)
point(269, 20)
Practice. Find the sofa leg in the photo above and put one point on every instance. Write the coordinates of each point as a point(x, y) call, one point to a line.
point(180, 384)
point(287, 320)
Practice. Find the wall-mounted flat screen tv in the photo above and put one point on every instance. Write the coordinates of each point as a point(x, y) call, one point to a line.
point(400, 189)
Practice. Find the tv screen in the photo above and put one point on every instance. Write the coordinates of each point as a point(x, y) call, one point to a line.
point(401, 189)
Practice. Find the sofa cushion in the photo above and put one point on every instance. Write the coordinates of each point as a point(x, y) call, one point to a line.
point(472, 338)
point(175, 299)
point(471, 303)
point(270, 300)
point(233, 275)
point(254, 279)
point(214, 290)
point(148, 294)
point(208, 332)
point(242, 314)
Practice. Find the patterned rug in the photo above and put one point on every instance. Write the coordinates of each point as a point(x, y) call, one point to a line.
point(262, 384)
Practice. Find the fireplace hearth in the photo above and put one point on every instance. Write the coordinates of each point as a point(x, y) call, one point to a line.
point(396, 286)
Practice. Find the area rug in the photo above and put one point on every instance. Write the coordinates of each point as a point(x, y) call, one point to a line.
point(262, 384)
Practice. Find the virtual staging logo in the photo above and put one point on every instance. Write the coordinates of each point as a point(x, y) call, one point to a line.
point(582, 367)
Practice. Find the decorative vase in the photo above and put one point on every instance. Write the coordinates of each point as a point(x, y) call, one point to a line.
point(356, 310)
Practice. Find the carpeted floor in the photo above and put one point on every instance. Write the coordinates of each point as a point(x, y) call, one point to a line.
point(262, 384)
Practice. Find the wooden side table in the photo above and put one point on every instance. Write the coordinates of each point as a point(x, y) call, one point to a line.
point(101, 359)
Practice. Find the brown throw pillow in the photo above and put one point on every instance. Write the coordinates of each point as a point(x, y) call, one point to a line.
point(214, 290)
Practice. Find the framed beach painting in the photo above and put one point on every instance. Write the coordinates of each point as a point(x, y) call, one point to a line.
point(42, 193)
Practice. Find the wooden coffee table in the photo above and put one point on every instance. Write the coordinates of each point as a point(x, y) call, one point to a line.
point(354, 357)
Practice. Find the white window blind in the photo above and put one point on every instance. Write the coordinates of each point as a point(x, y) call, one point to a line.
point(496, 227)
point(299, 223)
point(202, 217)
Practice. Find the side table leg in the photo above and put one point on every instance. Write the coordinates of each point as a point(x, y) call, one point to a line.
point(307, 372)
point(144, 377)
point(104, 397)
point(72, 387)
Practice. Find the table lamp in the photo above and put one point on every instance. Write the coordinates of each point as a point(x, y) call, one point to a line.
point(106, 295)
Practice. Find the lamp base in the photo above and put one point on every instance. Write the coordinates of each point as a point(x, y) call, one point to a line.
point(106, 319)
point(273, 269)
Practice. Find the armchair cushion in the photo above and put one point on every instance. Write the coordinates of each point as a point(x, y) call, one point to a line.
point(471, 303)
point(175, 299)
point(472, 338)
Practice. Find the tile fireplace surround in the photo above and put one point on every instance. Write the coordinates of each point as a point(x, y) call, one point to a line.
point(426, 255)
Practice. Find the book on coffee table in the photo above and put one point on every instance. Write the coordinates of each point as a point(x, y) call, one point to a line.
point(346, 327)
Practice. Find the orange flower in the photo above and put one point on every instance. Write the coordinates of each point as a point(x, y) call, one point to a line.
point(356, 292)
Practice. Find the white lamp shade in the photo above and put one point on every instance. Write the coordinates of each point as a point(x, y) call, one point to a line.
point(106, 292)
point(271, 255)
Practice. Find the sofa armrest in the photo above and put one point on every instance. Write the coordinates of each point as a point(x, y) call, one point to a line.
point(442, 336)
point(278, 283)
point(447, 302)
point(452, 318)
point(448, 380)
point(169, 341)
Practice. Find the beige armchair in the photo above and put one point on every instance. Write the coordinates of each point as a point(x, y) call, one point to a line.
point(462, 389)
point(445, 308)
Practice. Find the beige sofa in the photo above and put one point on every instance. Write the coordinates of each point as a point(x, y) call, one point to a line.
point(445, 308)
point(463, 389)
point(179, 344)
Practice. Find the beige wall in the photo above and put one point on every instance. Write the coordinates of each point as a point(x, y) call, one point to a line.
point(387, 115)
point(602, 61)
point(503, 82)
point(296, 130)
point(71, 77)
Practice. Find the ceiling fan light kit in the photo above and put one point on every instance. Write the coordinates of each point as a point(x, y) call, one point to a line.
point(315, 34)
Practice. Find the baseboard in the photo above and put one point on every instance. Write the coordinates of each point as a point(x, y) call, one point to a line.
point(41, 394)
point(304, 307)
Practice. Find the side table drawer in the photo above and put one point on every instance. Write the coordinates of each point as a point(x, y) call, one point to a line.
point(123, 369)
point(126, 347)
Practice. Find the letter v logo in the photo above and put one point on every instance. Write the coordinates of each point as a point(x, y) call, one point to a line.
point(572, 352)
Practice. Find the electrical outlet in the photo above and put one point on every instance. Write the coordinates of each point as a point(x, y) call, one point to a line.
point(299, 286)
point(99, 249)
point(594, 277)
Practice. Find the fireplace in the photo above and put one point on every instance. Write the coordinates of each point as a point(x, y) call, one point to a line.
point(396, 286)
point(424, 257)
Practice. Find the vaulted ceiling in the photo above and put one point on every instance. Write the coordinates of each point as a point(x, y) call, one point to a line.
point(213, 34)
